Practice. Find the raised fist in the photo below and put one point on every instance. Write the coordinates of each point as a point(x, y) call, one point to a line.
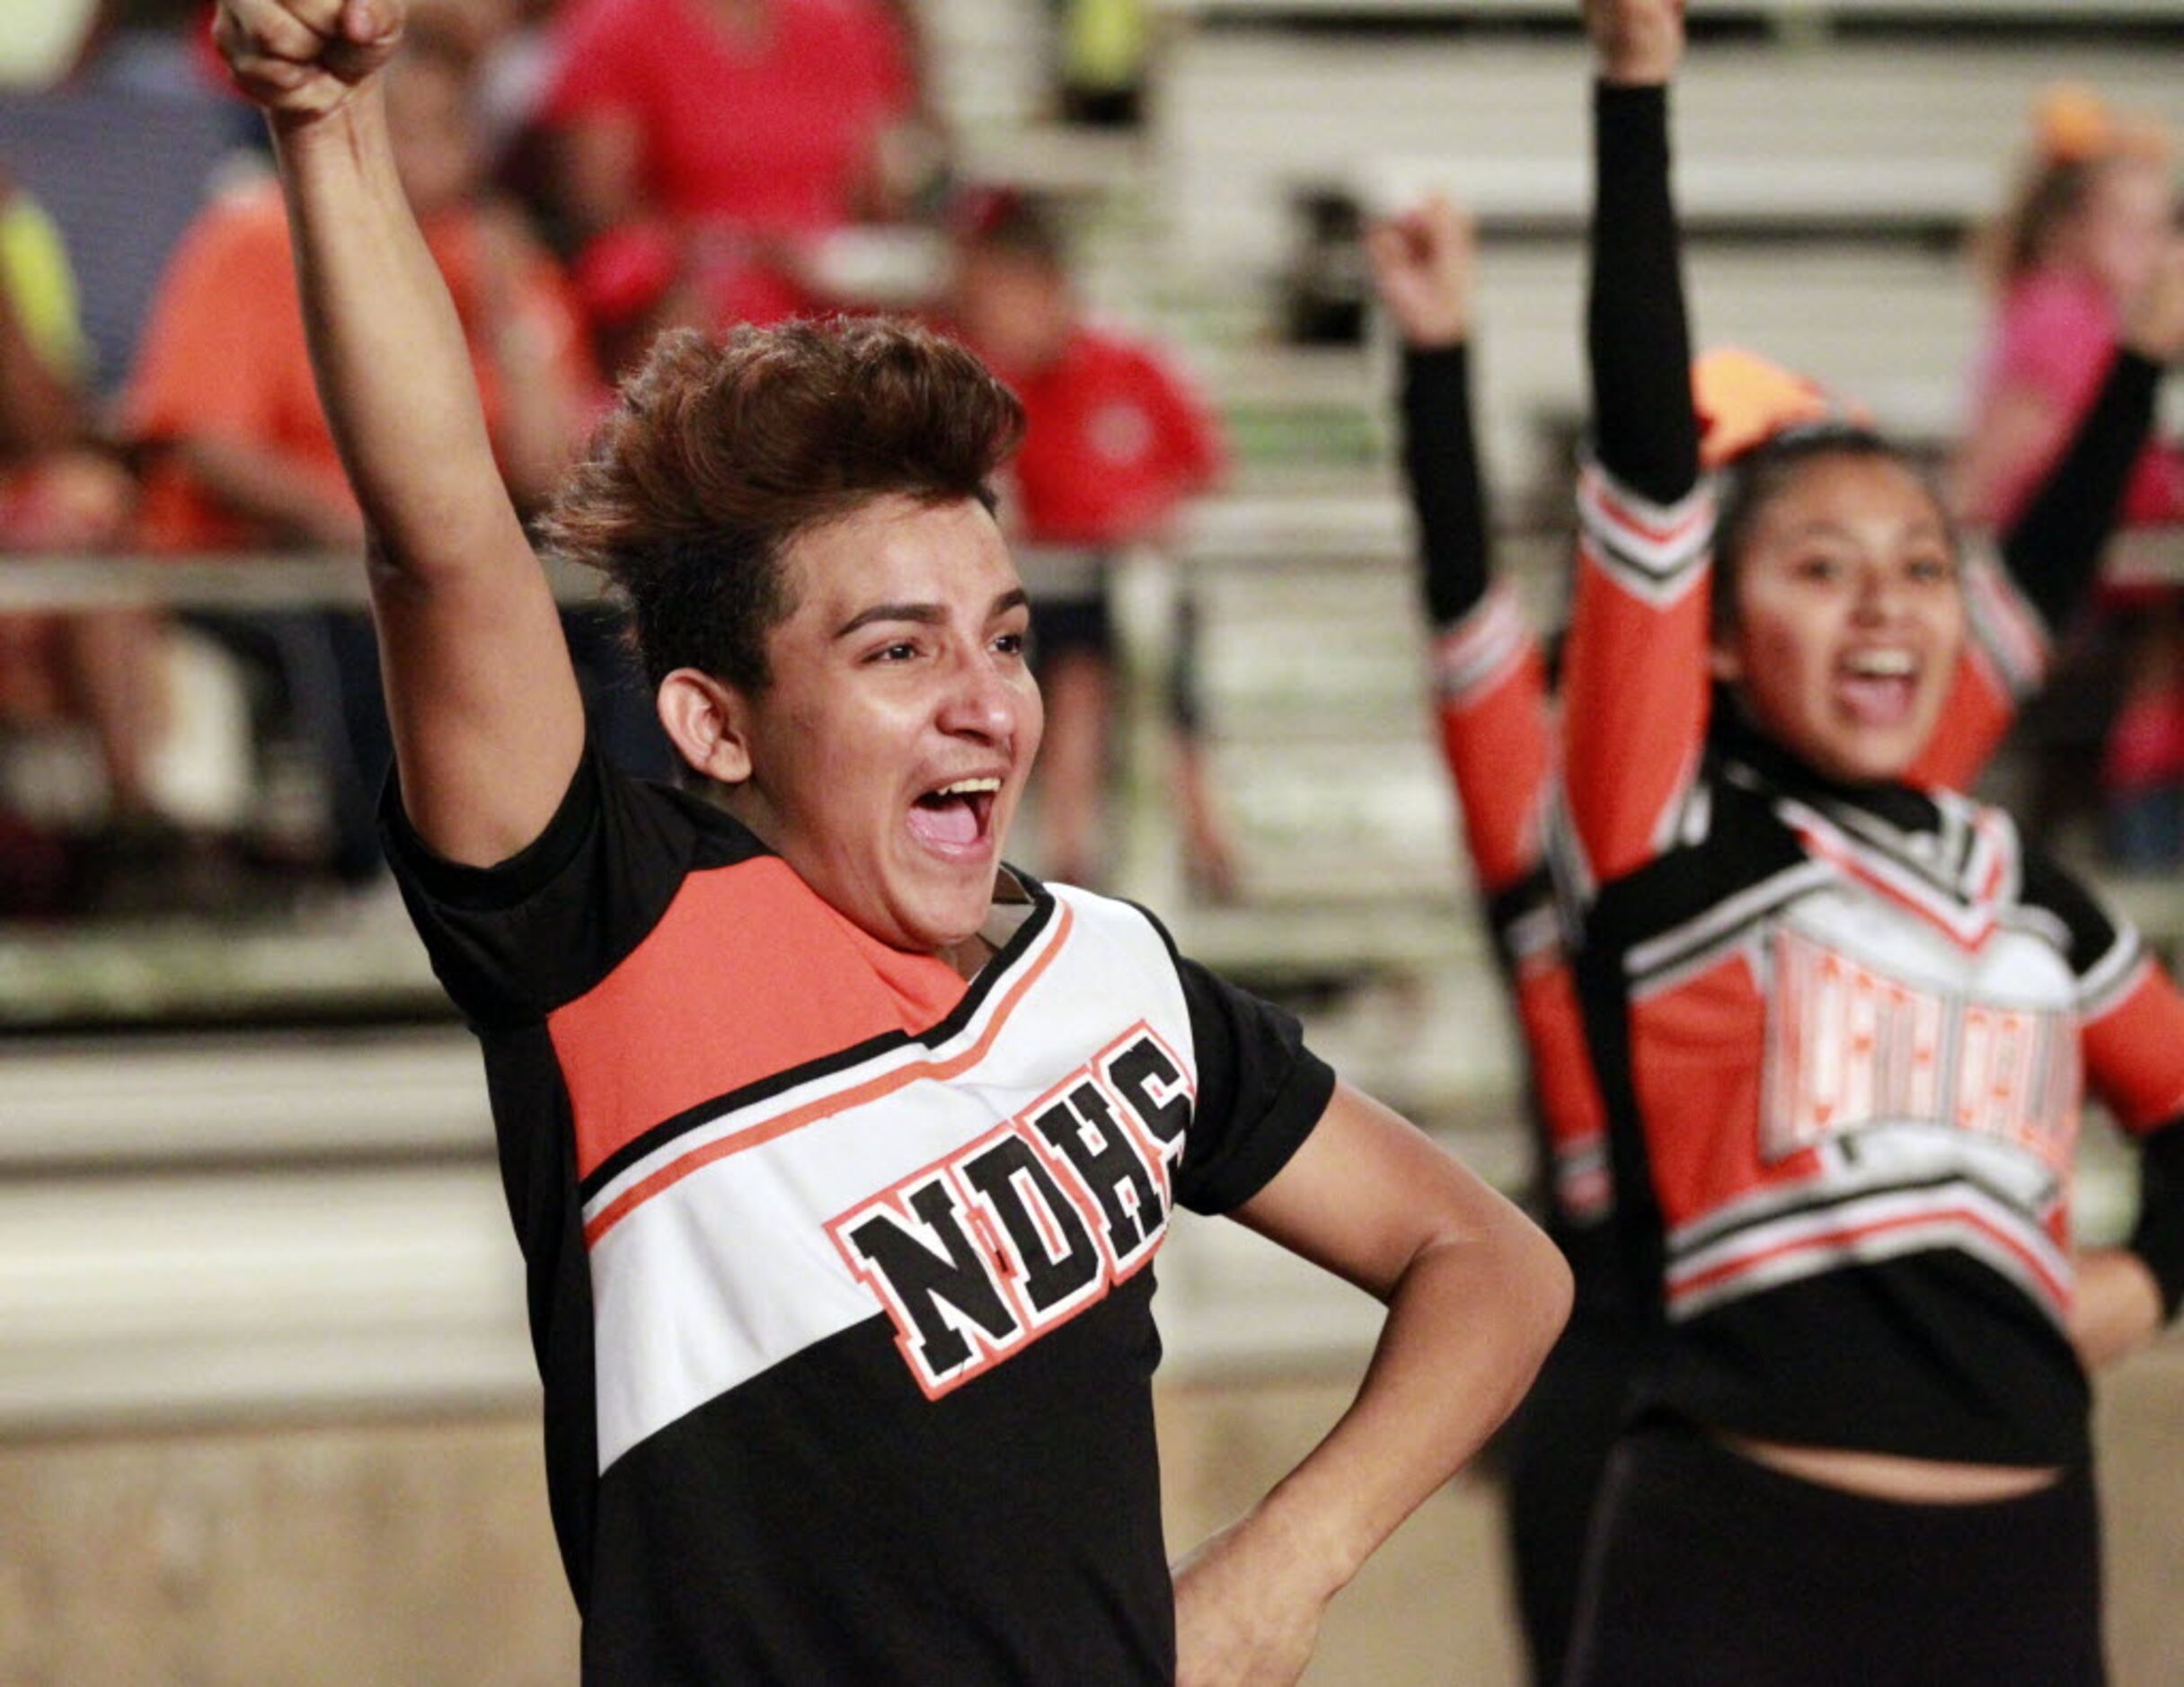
point(302, 58)
point(1636, 42)
point(1422, 268)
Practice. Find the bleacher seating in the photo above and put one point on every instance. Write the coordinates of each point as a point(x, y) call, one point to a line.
point(1818, 176)
point(191, 1241)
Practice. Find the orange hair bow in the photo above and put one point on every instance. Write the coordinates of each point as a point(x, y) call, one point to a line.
point(2073, 125)
point(1744, 401)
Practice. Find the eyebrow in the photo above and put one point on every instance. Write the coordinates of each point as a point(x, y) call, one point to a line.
point(1822, 527)
point(927, 614)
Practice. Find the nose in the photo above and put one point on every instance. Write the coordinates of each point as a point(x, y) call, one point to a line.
point(979, 702)
point(1880, 595)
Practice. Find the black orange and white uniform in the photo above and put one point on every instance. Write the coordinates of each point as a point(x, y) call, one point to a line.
point(841, 1268)
point(1494, 721)
point(1842, 1034)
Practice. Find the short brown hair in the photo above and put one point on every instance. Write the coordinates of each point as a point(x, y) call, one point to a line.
point(722, 452)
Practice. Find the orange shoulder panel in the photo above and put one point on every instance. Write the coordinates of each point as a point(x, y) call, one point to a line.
point(747, 974)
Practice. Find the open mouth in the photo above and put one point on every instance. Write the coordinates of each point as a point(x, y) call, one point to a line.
point(1878, 687)
point(957, 816)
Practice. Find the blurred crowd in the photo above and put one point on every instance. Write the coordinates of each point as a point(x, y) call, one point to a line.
point(592, 172)
point(588, 172)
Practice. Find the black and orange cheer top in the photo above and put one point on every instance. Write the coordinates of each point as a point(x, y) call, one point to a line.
point(840, 1267)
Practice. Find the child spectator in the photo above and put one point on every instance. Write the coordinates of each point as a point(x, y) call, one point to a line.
point(1116, 442)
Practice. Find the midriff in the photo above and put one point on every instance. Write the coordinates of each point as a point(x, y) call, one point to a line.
point(1887, 1475)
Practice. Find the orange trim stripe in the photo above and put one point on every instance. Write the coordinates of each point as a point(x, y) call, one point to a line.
point(1974, 719)
point(1653, 534)
point(669, 1175)
point(1826, 850)
point(1728, 1268)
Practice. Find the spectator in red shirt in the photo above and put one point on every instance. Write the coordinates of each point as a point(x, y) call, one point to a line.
point(1116, 442)
point(748, 127)
point(223, 384)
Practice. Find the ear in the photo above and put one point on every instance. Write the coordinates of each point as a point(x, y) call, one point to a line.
point(708, 722)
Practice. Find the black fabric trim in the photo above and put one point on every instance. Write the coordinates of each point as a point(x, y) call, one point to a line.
point(1994, 1381)
point(1955, 833)
point(990, 978)
point(1441, 466)
point(508, 883)
point(1638, 336)
point(538, 1179)
point(1719, 939)
point(1640, 1244)
point(1745, 847)
point(1516, 902)
point(1279, 1131)
point(1289, 1117)
point(504, 883)
point(1620, 550)
point(1903, 808)
point(2051, 888)
point(2053, 549)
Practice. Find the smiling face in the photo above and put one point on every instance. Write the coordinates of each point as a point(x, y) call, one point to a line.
point(888, 753)
point(1848, 619)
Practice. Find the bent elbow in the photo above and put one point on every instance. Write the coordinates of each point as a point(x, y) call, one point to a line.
point(1542, 1290)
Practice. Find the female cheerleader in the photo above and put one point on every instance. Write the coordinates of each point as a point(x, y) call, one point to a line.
point(1843, 1023)
point(1496, 733)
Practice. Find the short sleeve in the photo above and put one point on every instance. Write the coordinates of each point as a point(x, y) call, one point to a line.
point(513, 942)
point(1260, 1091)
point(1191, 443)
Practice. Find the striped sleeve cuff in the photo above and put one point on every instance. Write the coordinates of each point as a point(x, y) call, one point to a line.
point(1654, 550)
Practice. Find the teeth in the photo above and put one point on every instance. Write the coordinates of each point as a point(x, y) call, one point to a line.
point(968, 788)
point(1882, 664)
